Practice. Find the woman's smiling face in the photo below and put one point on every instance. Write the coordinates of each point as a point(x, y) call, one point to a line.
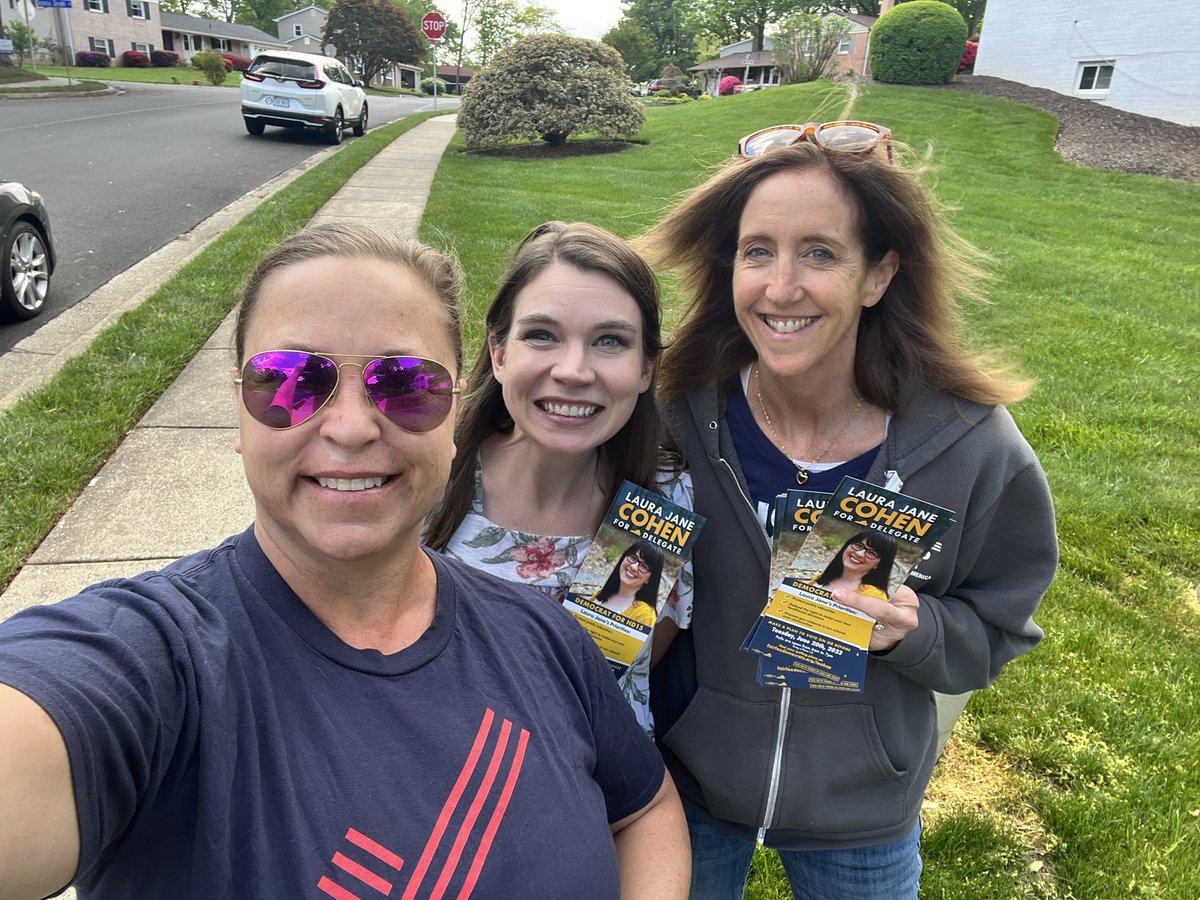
point(634, 572)
point(573, 364)
point(858, 559)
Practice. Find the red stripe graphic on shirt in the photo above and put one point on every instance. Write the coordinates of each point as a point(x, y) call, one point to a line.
point(358, 839)
point(497, 815)
point(362, 873)
point(336, 890)
point(464, 830)
point(443, 820)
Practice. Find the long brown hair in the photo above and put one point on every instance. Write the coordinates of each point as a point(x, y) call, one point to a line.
point(632, 453)
point(911, 338)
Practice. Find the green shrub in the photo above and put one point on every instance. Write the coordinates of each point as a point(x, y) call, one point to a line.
point(211, 64)
point(549, 86)
point(427, 85)
point(920, 42)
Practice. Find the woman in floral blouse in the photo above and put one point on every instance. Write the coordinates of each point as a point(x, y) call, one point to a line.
point(560, 410)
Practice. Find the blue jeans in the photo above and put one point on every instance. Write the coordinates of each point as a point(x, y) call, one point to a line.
point(720, 862)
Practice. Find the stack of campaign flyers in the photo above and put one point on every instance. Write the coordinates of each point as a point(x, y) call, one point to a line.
point(862, 533)
point(626, 576)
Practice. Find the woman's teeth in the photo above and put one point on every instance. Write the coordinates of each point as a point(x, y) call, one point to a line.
point(574, 411)
point(787, 326)
point(351, 484)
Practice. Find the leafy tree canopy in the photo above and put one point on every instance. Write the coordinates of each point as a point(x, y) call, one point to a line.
point(636, 49)
point(671, 28)
point(377, 32)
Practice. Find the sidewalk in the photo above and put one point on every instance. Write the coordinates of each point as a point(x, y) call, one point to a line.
point(175, 486)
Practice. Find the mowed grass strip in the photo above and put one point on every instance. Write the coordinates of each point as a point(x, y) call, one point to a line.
point(1085, 750)
point(53, 439)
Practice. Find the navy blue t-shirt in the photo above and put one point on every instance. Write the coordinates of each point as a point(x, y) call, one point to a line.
point(225, 744)
point(767, 470)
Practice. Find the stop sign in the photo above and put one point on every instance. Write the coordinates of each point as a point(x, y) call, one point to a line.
point(434, 26)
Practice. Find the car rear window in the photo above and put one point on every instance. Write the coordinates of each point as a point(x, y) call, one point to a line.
point(283, 68)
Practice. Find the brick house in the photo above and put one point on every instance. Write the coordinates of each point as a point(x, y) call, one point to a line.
point(102, 26)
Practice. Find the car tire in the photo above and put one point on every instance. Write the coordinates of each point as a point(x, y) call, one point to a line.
point(25, 267)
point(360, 127)
point(254, 126)
point(333, 133)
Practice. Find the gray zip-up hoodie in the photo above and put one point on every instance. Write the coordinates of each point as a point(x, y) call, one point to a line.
point(828, 769)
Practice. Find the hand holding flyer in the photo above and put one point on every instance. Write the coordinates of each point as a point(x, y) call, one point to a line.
point(866, 542)
point(627, 574)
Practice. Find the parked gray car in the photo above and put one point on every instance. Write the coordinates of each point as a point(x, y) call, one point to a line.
point(27, 259)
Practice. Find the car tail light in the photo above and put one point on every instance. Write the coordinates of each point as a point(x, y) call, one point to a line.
point(250, 76)
point(313, 85)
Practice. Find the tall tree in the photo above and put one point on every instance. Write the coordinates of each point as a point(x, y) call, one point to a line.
point(376, 31)
point(636, 49)
point(499, 23)
point(262, 13)
point(668, 23)
point(729, 21)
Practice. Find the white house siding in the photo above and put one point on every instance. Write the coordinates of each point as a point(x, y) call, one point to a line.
point(1153, 46)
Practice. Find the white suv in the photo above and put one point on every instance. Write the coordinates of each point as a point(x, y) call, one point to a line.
point(302, 90)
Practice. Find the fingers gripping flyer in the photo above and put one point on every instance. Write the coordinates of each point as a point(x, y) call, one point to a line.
point(864, 539)
point(626, 576)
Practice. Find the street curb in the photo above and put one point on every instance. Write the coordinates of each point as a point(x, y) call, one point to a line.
point(37, 358)
point(51, 95)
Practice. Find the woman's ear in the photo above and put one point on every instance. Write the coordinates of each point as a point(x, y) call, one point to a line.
point(496, 352)
point(879, 277)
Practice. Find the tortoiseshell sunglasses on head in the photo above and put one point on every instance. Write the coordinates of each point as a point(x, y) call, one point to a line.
point(841, 137)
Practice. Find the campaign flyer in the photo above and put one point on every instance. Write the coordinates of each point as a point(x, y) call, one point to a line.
point(867, 540)
point(627, 574)
point(796, 512)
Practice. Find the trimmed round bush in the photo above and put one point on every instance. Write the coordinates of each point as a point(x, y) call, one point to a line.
point(730, 84)
point(135, 59)
point(164, 58)
point(211, 64)
point(920, 42)
point(549, 86)
point(427, 85)
point(91, 59)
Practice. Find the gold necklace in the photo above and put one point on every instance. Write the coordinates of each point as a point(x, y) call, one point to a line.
point(801, 472)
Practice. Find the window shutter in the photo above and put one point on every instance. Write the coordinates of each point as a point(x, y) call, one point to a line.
point(104, 5)
point(129, 8)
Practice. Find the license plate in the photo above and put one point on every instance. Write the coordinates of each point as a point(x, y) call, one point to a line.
point(281, 102)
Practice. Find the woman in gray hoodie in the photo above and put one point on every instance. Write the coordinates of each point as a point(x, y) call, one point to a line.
point(821, 342)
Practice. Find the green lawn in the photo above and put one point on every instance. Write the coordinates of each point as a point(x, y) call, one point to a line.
point(1076, 776)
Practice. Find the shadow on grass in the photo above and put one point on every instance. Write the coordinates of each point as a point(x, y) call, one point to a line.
point(543, 150)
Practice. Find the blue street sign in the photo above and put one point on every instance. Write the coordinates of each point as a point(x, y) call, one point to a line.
point(53, 4)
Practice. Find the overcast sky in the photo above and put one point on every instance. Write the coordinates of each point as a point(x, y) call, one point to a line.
point(586, 18)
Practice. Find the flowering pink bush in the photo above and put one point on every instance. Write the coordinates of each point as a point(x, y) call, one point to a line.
point(164, 58)
point(967, 64)
point(728, 85)
point(233, 62)
point(135, 59)
point(92, 59)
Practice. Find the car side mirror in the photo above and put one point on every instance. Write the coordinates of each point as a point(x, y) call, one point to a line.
point(361, 84)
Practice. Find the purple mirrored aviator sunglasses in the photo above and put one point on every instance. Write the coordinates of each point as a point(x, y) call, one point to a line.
point(286, 388)
point(840, 137)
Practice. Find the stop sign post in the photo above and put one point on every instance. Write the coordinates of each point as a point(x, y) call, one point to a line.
point(434, 26)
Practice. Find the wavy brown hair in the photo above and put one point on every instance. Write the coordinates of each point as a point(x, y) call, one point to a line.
point(633, 452)
point(911, 338)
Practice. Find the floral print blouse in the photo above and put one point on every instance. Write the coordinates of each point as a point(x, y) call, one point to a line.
point(550, 563)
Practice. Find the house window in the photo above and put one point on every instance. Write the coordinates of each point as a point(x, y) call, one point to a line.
point(1094, 78)
point(192, 43)
point(137, 9)
point(143, 48)
point(100, 6)
point(297, 31)
point(845, 44)
point(220, 44)
point(102, 45)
